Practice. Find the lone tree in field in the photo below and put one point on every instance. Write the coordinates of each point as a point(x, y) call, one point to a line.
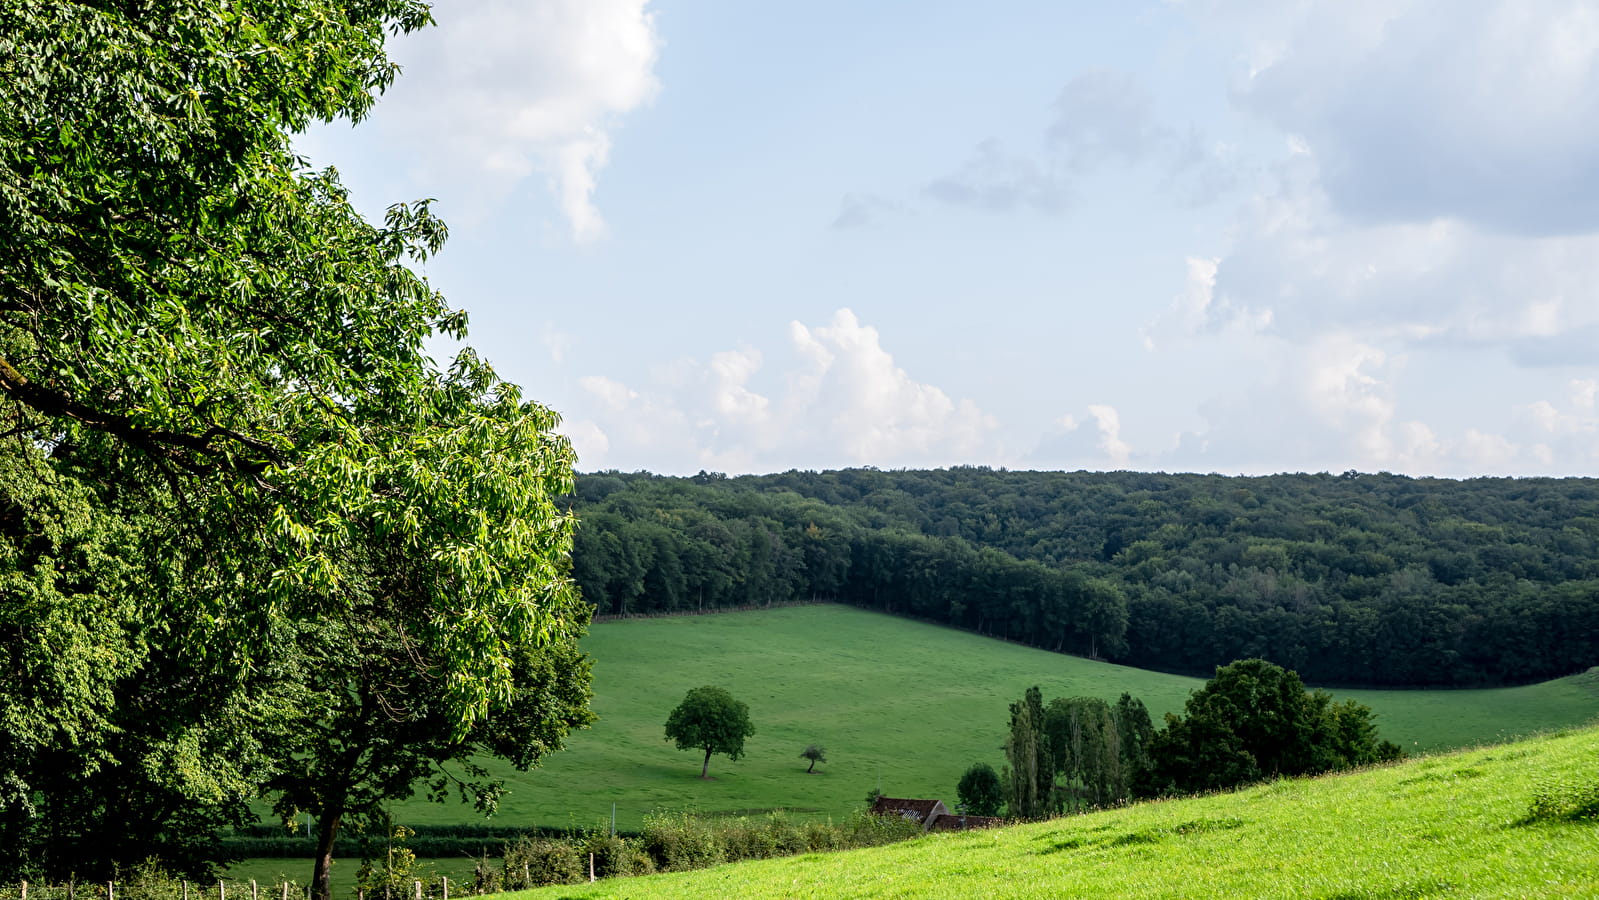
point(815, 753)
point(710, 719)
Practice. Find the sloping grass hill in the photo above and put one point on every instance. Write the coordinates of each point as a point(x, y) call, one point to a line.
point(1520, 820)
point(899, 705)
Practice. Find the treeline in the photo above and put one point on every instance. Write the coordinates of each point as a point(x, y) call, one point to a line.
point(1348, 579)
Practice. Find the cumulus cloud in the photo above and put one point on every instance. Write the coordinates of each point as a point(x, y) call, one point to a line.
point(1109, 421)
point(1299, 270)
point(502, 90)
point(840, 399)
point(1486, 111)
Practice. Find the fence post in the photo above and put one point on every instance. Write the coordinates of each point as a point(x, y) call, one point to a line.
point(418, 890)
point(222, 889)
point(443, 879)
point(252, 890)
point(110, 890)
point(25, 891)
point(285, 890)
point(185, 890)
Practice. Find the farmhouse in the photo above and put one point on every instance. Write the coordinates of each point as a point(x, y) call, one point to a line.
point(930, 814)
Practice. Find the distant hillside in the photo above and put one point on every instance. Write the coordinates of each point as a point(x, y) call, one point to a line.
point(900, 705)
point(1513, 821)
point(1349, 579)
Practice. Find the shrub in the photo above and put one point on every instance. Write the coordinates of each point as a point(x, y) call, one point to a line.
point(615, 856)
point(867, 830)
point(821, 836)
point(678, 842)
point(536, 861)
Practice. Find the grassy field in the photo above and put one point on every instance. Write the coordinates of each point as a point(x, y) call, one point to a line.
point(269, 872)
point(1451, 825)
point(899, 705)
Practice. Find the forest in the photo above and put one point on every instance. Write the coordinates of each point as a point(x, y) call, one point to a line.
point(1351, 579)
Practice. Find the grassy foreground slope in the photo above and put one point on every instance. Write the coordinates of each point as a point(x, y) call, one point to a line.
point(898, 704)
point(1448, 826)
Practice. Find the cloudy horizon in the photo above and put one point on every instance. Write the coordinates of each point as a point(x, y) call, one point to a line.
point(1204, 235)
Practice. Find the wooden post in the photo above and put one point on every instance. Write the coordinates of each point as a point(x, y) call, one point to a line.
point(285, 890)
point(25, 891)
point(252, 890)
point(443, 879)
point(110, 890)
point(185, 890)
point(72, 889)
point(591, 868)
point(222, 889)
point(418, 890)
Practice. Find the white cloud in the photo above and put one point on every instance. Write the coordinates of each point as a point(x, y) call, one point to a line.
point(501, 90)
point(1300, 270)
point(1116, 450)
point(841, 400)
point(1345, 387)
point(1485, 111)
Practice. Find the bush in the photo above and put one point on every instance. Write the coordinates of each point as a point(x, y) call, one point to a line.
point(867, 830)
point(821, 836)
point(760, 838)
point(615, 856)
point(537, 861)
point(678, 842)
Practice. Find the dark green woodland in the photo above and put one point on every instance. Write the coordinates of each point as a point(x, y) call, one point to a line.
point(1351, 579)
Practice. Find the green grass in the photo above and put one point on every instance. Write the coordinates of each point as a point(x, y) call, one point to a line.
point(273, 872)
point(1448, 826)
point(900, 704)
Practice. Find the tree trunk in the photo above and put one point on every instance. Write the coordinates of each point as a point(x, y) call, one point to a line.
point(706, 767)
point(812, 768)
point(327, 831)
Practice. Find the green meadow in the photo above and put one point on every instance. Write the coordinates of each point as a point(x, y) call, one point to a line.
point(1456, 825)
point(901, 706)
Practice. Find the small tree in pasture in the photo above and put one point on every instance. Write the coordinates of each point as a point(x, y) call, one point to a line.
point(815, 753)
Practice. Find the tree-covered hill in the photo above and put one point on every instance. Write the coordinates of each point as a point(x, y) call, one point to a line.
point(1352, 579)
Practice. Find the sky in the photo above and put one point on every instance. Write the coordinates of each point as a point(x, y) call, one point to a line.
point(1160, 235)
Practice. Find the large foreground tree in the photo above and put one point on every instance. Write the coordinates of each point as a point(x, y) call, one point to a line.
point(201, 339)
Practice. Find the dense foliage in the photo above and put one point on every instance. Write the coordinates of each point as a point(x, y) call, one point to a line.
point(1256, 721)
point(1252, 721)
point(1348, 579)
point(215, 400)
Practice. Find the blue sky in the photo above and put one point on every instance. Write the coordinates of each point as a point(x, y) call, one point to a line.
point(1186, 236)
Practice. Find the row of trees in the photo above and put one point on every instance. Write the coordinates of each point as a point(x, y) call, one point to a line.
point(253, 539)
point(1352, 579)
point(1253, 721)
